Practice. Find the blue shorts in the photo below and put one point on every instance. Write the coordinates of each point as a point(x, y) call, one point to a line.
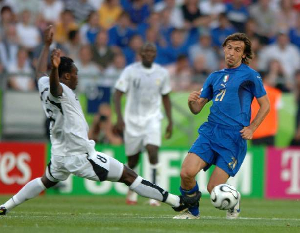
point(220, 145)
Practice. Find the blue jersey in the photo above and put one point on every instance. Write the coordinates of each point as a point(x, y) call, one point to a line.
point(232, 92)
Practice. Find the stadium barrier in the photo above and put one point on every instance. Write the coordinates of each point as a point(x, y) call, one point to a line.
point(266, 172)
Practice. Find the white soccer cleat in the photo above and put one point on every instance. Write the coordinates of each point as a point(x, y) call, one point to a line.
point(154, 202)
point(131, 198)
point(234, 212)
point(186, 215)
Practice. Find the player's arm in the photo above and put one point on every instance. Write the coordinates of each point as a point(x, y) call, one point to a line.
point(41, 68)
point(55, 87)
point(117, 102)
point(167, 105)
point(195, 102)
point(264, 108)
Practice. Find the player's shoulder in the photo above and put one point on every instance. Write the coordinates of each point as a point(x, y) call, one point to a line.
point(160, 68)
point(252, 73)
point(43, 81)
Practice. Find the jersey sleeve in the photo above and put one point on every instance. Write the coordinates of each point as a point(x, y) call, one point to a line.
point(257, 89)
point(122, 83)
point(207, 91)
point(166, 85)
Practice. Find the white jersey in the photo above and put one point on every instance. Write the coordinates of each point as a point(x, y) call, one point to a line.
point(68, 127)
point(144, 89)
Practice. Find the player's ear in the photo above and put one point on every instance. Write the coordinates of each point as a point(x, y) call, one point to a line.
point(67, 76)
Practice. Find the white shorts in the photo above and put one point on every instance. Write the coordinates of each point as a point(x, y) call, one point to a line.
point(150, 136)
point(97, 167)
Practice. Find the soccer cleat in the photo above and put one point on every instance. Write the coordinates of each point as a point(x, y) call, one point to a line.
point(234, 212)
point(131, 198)
point(154, 202)
point(186, 215)
point(3, 210)
point(188, 201)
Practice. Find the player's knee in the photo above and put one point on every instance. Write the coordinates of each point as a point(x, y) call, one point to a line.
point(186, 174)
point(128, 176)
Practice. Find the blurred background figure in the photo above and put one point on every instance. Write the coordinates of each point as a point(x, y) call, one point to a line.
point(266, 132)
point(296, 139)
point(20, 73)
point(102, 130)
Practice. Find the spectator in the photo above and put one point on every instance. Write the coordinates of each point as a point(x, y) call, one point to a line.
point(9, 46)
point(138, 10)
point(50, 11)
point(237, 13)
point(89, 30)
point(174, 12)
point(178, 46)
point(267, 130)
point(20, 73)
point(64, 26)
point(132, 51)
point(7, 18)
point(200, 72)
point(88, 73)
point(224, 29)
point(296, 139)
point(73, 44)
point(102, 53)
point(102, 130)
point(265, 19)
point(283, 51)
point(212, 8)
point(28, 34)
point(192, 15)
point(81, 9)
point(286, 17)
point(109, 13)
point(204, 48)
point(181, 74)
point(114, 70)
point(120, 34)
point(294, 33)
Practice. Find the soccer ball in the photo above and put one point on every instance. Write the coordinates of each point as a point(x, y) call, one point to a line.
point(224, 196)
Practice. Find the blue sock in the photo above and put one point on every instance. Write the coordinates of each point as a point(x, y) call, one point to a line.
point(194, 210)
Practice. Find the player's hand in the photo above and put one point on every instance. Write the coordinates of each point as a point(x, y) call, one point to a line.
point(194, 96)
point(169, 131)
point(55, 58)
point(247, 133)
point(48, 35)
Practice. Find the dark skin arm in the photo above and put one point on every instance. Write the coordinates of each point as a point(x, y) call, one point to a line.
point(196, 103)
point(55, 87)
point(120, 125)
point(41, 68)
point(167, 106)
point(247, 132)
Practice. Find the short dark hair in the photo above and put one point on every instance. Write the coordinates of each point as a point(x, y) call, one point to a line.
point(247, 50)
point(65, 66)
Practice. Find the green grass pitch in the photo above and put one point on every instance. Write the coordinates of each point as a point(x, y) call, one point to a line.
point(60, 214)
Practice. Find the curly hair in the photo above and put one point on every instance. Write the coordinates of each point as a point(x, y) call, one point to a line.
point(65, 66)
point(247, 50)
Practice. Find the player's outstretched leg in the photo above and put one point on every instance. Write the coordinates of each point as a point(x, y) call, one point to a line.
point(191, 198)
point(234, 212)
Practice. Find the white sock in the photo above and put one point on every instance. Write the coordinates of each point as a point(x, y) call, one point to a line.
point(150, 190)
point(29, 191)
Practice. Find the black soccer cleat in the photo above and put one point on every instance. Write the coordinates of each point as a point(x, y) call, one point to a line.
point(3, 210)
point(188, 201)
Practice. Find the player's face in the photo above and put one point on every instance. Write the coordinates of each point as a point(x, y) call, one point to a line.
point(148, 55)
point(74, 77)
point(234, 52)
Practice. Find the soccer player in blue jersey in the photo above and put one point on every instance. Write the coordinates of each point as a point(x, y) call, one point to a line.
point(222, 139)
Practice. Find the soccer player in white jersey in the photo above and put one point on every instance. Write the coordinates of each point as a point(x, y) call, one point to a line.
point(72, 152)
point(146, 85)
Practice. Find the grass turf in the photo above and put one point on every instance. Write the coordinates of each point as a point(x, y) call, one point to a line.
point(60, 214)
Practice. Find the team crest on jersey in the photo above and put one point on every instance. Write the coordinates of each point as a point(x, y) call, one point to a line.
point(226, 77)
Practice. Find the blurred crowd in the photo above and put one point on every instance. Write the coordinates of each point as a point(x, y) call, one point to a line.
point(103, 36)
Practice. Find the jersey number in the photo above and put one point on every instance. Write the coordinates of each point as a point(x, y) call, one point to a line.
point(101, 158)
point(221, 95)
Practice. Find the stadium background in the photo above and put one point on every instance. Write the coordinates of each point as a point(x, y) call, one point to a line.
point(267, 172)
